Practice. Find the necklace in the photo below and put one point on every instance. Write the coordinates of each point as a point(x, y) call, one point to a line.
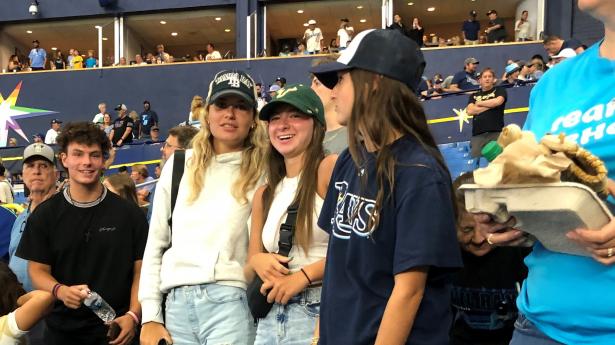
point(71, 201)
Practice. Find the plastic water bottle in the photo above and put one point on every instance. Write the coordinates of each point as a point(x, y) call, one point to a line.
point(99, 306)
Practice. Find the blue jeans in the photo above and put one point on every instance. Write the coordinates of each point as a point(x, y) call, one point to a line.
point(208, 314)
point(293, 323)
point(527, 334)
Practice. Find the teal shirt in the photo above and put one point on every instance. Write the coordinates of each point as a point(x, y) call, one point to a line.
point(18, 265)
point(572, 298)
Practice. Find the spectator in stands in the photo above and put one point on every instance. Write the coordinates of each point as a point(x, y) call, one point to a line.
point(285, 51)
point(300, 49)
point(281, 81)
point(91, 61)
point(273, 90)
point(325, 50)
point(511, 73)
point(466, 79)
point(122, 127)
point(136, 129)
point(58, 257)
point(52, 133)
point(6, 189)
point(154, 134)
point(162, 56)
point(554, 45)
point(40, 178)
point(259, 96)
point(58, 61)
point(14, 64)
point(77, 60)
point(157, 171)
point(496, 31)
point(487, 108)
point(303, 183)
point(416, 32)
point(139, 60)
point(336, 135)
point(333, 47)
point(522, 28)
point(148, 119)
point(123, 186)
point(102, 110)
point(139, 174)
point(222, 172)
point(581, 313)
point(537, 68)
point(69, 59)
point(38, 57)
point(398, 25)
point(150, 59)
point(212, 53)
point(470, 29)
point(179, 138)
point(197, 102)
point(313, 38)
point(566, 53)
point(484, 294)
point(344, 34)
point(122, 62)
point(107, 124)
point(12, 142)
point(38, 138)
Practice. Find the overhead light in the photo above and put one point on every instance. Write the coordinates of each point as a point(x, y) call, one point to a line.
point(306, 24)
point(97, 27)
point(432, 35)
point(54, 48)
point(105, 38)
point(363, 20)
point(29, 31)
point(227, 30)
point(173, 33)
point(218, 19)
point(410, 3)
point(162, 22)
point(33, 9)
point(431, 9)
point(299, 11)
point(359, 7)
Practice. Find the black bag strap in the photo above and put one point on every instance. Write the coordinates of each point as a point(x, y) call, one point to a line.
point(179, 159)
point(287, 230)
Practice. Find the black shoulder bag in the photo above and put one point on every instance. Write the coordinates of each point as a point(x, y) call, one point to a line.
point(259, 307)
point(179, 159)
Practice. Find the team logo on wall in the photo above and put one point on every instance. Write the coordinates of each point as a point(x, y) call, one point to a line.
point(462, 116)
point(10, 113)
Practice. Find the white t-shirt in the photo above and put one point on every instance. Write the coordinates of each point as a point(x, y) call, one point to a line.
point(98, 118)
point(6, 192)
point(312, 39)
point(51, 136)
point(10, 334)
point(344, 36)
point(523, 30)
point(215, 55)
point(284, 195)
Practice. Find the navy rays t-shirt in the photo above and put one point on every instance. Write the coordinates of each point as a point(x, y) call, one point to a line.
point(417, 228)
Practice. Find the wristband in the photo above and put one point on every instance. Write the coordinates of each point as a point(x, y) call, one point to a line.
point(134, 317)
point(54, 290)
point(306, 276)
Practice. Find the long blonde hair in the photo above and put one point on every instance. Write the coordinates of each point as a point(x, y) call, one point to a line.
point(252, 159)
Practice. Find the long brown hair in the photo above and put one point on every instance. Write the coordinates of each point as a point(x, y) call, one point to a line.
point(124, 185)
point(381, 106)
point(11, 289)
point(308, 182)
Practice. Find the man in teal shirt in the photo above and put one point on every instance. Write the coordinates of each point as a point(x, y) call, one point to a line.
point(38, 57)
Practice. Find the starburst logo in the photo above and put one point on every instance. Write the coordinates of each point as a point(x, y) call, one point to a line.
point(9, 113)
point(462, 116)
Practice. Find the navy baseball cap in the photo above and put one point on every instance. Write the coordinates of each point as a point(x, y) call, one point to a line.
point(386, 52)
point(232, 82)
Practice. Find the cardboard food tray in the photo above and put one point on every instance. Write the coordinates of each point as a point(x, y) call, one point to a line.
point(546, 211)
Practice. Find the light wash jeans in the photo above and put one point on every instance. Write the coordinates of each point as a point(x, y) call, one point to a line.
point(208, 314)
point(527, 334)
point(293, 323)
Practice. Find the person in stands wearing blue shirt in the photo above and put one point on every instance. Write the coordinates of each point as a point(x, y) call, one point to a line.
point(91, 61)
point(38, 57)
point(389, 209)
point(566, 298)
point(466, 79)
point(470, 29)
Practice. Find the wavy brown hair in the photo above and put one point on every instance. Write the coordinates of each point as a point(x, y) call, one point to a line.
point(381, 107)
point(125, 186)
point(308, 182)
point(11, 289)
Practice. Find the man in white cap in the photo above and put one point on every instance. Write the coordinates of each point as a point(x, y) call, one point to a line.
point(566, 53)
point(313, 38)
point(39, 177)
point(52, 133)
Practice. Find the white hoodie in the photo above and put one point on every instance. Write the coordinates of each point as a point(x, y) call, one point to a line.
point(209, 236)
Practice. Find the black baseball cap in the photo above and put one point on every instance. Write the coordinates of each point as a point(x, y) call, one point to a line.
point(386, 52)
point(492, 11)
point(55, 121)
point(232, 82)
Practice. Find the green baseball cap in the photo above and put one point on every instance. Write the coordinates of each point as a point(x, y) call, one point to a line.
point(299, 96)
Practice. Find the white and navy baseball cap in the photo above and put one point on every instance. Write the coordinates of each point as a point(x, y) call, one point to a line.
point(232, 82)
point(386, 52)
point(39, 150)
